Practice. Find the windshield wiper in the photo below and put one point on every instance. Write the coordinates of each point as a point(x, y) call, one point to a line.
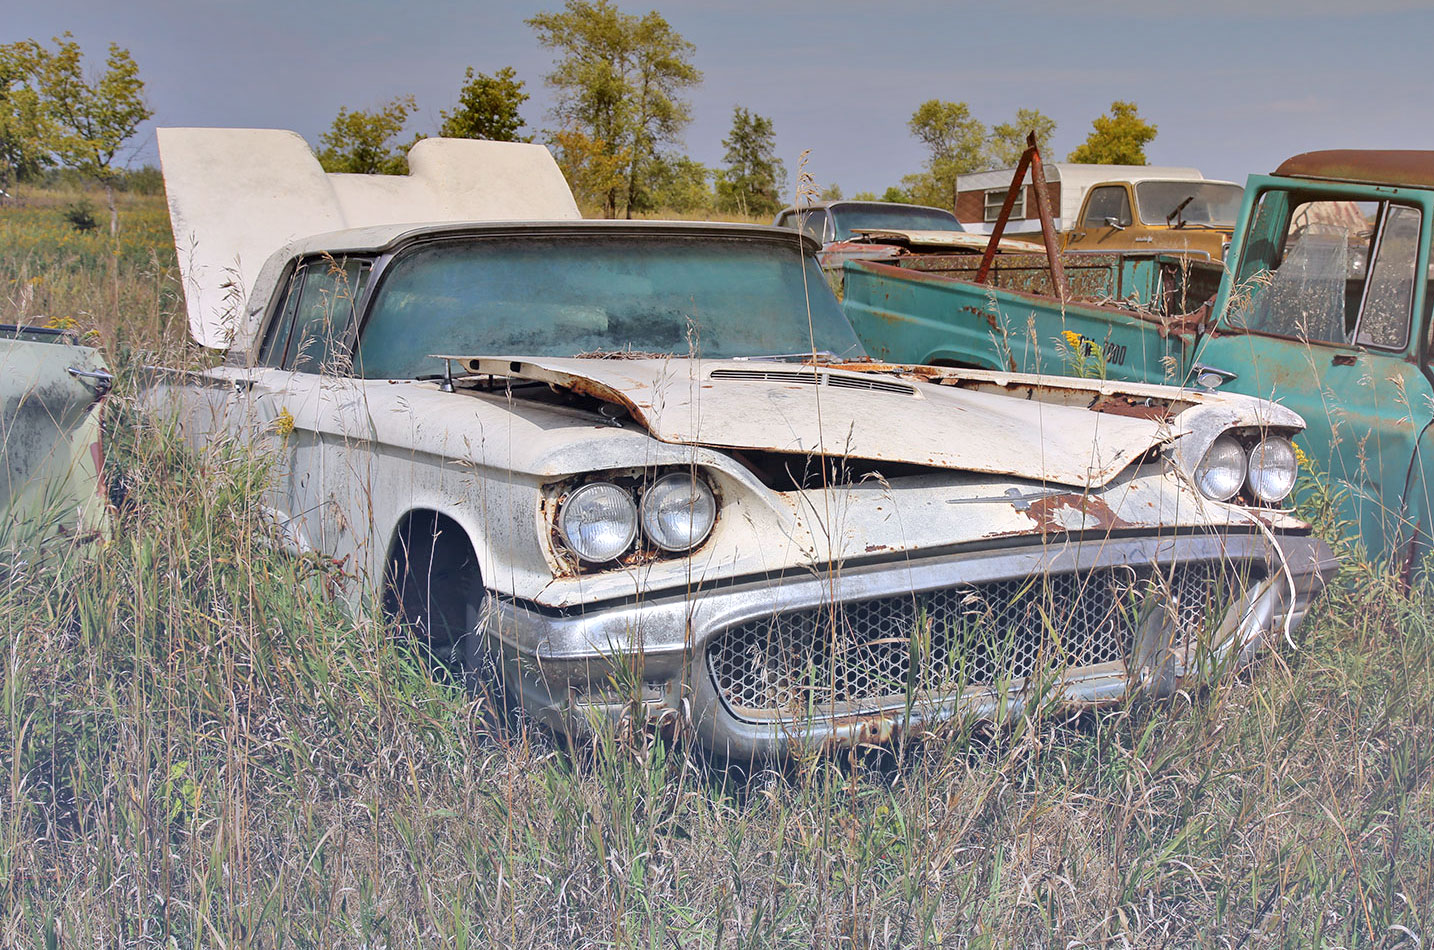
point(1176, 213)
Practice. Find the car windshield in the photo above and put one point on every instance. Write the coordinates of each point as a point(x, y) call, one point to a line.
point(849, 218)
point(572, 294)
point(1206, 203)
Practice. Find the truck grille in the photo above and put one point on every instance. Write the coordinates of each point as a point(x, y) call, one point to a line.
point(937, 642)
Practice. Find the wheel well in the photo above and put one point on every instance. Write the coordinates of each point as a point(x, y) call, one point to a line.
point(431, 577)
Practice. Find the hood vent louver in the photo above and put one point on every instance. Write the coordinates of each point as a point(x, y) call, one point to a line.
point(817, 377)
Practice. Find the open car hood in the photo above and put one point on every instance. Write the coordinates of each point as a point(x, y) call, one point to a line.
point(791, 408)
point(236, 196)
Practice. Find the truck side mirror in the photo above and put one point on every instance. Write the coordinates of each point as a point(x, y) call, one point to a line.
point(1113, 222)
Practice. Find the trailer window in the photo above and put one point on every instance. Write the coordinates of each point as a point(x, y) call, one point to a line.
point(996, 198)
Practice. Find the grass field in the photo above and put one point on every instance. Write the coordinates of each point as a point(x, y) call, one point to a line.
point(200, 748)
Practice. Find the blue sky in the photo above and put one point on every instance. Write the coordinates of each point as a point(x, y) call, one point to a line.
point(1233, 86)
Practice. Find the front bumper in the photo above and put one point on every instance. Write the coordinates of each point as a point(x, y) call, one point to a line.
point(647, 657)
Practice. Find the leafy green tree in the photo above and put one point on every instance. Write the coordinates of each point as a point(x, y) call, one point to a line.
point(1008, 139)
point(895, 194)
point(363, 143)
point(79, 121)
point(619, 80)
point(749, 183)
point(831, 192)
point(1117, 138)
point(865, 196)
point(594, 172)
point(956, 145)
point(680, 184)
point(23, 130)
point(487, 108)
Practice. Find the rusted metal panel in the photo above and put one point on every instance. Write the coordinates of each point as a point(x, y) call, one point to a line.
point(1409, 167)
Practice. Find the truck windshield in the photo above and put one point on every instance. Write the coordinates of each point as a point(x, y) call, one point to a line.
point(573, 294)
point(913, 218)
point(1205, 203)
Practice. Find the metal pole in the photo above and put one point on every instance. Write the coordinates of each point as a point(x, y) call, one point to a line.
point(1048, 228)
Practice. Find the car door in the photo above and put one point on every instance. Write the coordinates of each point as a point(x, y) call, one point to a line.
point(1321, 316)
point(1107, 216)
point(51, 452)
point(295, 393)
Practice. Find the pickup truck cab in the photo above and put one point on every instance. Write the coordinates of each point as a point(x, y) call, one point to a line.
point(1324, 307)
point(1192, 217)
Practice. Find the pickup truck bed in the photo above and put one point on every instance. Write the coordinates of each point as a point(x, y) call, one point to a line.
point(1134, 310)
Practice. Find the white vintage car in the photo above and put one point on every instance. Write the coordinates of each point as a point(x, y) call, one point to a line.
point(645, 469)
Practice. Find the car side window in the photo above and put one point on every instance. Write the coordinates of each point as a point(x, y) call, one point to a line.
point(276, 337)
point(1337, 271)
point(1389, 298)
point(325, 313)
point(1111, 201)
point(814, 222)
point(307, 334)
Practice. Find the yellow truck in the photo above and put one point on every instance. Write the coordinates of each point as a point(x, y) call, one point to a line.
point(1168, 215)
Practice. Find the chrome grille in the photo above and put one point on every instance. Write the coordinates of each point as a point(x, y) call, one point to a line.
point(938, 642)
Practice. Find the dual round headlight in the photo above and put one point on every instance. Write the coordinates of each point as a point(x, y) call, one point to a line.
point(1269, 469)
point(600, 520)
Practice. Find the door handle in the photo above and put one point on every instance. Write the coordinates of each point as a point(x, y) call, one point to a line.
point(103, 382)
point(1343, 359)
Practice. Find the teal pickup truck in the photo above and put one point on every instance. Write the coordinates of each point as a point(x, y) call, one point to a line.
point(1325, 307)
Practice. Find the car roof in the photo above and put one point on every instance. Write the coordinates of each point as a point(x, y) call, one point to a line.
point(1413, 167)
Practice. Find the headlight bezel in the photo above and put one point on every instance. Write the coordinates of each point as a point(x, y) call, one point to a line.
point(1276, 443)
point(635, 483)
point(1249, 439)
point(617, 494)
point(650, 499)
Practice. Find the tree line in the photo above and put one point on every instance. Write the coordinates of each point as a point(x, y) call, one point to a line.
point(619, 84)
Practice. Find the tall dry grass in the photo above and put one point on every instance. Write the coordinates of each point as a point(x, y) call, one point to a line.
point(201, 748)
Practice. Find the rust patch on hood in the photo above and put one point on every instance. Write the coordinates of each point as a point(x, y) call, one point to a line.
point(1058, 514)
point(1131, 406)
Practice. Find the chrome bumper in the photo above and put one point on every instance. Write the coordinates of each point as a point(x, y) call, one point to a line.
point(646, 658)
